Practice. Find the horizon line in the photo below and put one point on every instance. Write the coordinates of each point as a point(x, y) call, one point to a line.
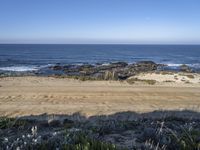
point(98, 44)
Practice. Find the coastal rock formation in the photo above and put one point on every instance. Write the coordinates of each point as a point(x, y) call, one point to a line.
point(185, 68)
point(146, 65)
point(56, 67)
point(112, 71)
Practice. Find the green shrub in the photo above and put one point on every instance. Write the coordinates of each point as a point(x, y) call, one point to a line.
point(6, 122)
point(77, 141)
point(188, 140)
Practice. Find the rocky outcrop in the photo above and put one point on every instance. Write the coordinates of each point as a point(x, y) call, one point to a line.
point(112, 71)
point(146, 66)
point(185, 68)
point(56, 67)
point(119, 64)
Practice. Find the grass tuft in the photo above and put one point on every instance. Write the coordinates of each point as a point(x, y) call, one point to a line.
point(6, 122)
point(134, 80)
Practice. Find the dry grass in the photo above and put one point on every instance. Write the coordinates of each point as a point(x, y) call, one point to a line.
point(169, 81)
point(166, 73)
point(134, 80)
point(187, 82)
point(190, 76)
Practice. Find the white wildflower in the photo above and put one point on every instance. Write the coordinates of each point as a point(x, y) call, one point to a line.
point(34, 130)
point(18, 148)
point(74, 130)
point(28, 135)
point(190, 128)
point(35, 140)
point(55, 133)
point(6, 139)
point(161, 128)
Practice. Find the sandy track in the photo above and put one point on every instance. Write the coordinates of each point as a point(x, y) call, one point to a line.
point(36, 95)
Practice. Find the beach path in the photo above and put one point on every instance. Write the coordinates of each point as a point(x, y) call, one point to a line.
point(21, 96)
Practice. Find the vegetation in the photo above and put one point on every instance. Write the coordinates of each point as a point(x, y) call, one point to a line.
point(6, 122)
point(166, 72)
point(190, 76)
point(112, 132)
point(76, 142)
point(81, 78)
point(169, 81)
point(107, 75)
point(134, 80)
point(187, 140)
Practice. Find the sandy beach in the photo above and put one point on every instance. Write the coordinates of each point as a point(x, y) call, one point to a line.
point(21, 96)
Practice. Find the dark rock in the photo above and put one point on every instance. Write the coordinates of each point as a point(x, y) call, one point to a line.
point(87, 69)
point(43, 124)
point(105, 67)
point(146, 63)
point(72, 69)
point(86, 66)
point(67, 66)
point(56, 67)
point(68, 123)
point(141, 67)
point(112, 71)
point(98, 63)
point(123, 76)
point(119, 64)
point(146, 66)
point(111, 66)
point(54, 123)
point(185, 68)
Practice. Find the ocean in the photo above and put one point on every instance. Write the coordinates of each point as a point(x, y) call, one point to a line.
point(33, 57)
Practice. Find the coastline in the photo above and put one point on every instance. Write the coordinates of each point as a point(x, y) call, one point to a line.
point(111, 106)
point(32, 95)
point(51, 112)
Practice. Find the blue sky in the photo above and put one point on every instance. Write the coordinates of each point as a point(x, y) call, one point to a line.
point(100, 21)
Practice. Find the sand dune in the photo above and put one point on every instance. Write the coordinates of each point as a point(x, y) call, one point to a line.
point(36, 95)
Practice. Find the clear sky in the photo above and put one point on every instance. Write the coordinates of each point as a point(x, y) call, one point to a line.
point(100, 21)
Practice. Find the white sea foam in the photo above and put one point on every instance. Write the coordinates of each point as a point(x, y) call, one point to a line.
point(19, 68)
point(23, 68)
point(174, 65)
point(105, 64)
point(197, 65)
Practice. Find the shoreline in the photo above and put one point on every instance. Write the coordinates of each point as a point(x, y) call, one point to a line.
point(56, 112)
point(120, 69)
